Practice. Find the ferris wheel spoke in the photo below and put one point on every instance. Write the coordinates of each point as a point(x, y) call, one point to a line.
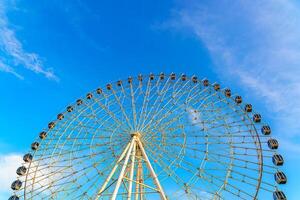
point(170, 159)
point(216, 178)
point(122, 109)
point(242, 167)
point(171, 96)
point(133, 106)
point(172, 110)
point(102, 122)
point(111, 114)
point(167, 112)
point(66, 177)
point(62, 169)
point(67, 152)
point(157, 104)
point(145, 104)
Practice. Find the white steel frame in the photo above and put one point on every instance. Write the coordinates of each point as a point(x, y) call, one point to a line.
point(133, 149)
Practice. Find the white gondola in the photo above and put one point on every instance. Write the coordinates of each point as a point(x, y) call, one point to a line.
point(195, 79)
point(35, 146)
point(266, 130)
point(205, 83)
point(140, 77)
point(16, 185)
point(238, 99)
point(69, 108)
point(277, 159)
point(27, 157)
point(60, 116)
point(21, 171)
point(217, 86)
point(51, 125)
point(248, 108)
point(89, 96)
point(79, 102)
point(273, 144)
point(162, 76)
point(227, 92)
point(257, 118)
point(43, 135)
point(279, 195)
point(173, 76)
point(119, 83)
point(13, 197)
point(280, 177)
point(151, 77)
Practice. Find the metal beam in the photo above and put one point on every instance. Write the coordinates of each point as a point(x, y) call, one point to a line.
point(154, 176)
point(133, 141)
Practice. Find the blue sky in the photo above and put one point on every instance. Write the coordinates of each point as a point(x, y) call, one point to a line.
point(52, 52)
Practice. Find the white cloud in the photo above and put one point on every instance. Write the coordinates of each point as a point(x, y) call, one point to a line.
point(13, 50)
point(8, 69)
point(8, 165)
point(256, 44)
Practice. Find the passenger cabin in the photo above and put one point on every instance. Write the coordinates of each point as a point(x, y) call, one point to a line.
point(257, 118)
point(162, 76)
point(205, 83)
point(119, 83)
point(43, 135)
point(183, 77)
point(16, 185)
point(266, 130)
point(238, 99)
point(273, 144)
point(280, 177)
point(227, 92)
point(248, 108)
point(108, 86)
point(277, 160)
point(151, 77)
point(51, 125)
point(217, 86)
point(279, 195)
point(89, 95)
point(14, 197)
point(21, 171)
point(140, 77)
point(79, 102)
point(35, 146)
point(194, 79)
point(60, 116)
point(173, 76)
point(129, 79)
point(27, 157)
point(69, 108)
point(99, 91)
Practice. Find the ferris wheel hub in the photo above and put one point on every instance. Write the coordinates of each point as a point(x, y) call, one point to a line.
point(136, 134)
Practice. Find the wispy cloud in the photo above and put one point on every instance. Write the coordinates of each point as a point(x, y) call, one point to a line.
point(14, 53)
point(257, 43)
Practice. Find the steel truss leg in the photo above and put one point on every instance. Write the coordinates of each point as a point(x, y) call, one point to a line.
point(112, 171)
point(154, 176)
point(134, 149)
point(131, 171)
point(121, 176)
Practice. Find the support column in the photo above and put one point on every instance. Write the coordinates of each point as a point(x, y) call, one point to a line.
point(131, 171)
point(121, 176)
point(112, 171)
point(154, 176)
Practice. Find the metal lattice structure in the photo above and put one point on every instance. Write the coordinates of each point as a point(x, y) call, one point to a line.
point(154, 137)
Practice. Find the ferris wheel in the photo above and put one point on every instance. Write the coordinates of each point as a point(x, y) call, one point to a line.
point(154, 137)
